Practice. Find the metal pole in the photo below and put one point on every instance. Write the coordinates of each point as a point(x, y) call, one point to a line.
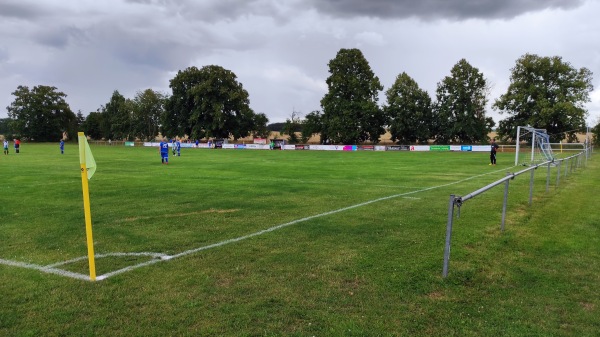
point(531, 187)
point(558, 173)
point(548, 177)
point(505, 202)
point(532, 146)
point(448, 235)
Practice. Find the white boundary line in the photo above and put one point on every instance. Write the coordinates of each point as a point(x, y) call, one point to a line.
point(159, 257)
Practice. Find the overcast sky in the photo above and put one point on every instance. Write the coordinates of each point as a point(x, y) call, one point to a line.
point(279, 50)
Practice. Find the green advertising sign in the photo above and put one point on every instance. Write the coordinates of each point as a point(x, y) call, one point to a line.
point(439, 148)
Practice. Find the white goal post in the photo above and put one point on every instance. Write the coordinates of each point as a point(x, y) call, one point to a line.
point(538, 140)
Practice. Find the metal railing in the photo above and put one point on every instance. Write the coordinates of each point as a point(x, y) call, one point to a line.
point(570, 164)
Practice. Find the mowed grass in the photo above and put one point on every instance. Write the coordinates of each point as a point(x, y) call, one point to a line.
point(369, 270)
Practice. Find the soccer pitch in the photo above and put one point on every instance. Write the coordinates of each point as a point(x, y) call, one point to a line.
point(242, 242)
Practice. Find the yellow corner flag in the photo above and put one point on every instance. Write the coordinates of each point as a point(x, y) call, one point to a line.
point(85, 155)
point(88, 167)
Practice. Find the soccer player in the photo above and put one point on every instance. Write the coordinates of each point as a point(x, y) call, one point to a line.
point(62, 146)
point(493, 152)
point(164, 151)
point(5, 146)
point(178, 148)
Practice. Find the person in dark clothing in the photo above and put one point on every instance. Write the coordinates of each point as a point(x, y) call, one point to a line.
point(493, 152)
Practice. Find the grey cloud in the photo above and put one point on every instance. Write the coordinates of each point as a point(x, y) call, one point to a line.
point(59, 37)
point(216, 10)
point(3, 54)
point(438, 9)
point(19, 10)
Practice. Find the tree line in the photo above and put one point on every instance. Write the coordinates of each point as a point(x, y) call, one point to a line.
point(544, 92)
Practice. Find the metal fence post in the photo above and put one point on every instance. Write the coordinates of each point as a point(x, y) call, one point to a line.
point(548, 177)
point(448, 235)
point(558, 173)
point(505, 202)
point(531, 186)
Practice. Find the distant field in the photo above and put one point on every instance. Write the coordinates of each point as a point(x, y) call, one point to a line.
point(242, 242)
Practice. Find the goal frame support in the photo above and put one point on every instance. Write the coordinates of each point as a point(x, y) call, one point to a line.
point(531, 130)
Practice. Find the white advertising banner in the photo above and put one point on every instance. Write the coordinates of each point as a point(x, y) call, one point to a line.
point(257, 146)
point(419, 148)
point(480, 148)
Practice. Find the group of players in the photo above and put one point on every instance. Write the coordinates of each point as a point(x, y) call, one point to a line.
point(163, 148)
point(17, 145)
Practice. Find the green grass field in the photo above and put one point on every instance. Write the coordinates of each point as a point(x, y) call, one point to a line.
point(294, 243)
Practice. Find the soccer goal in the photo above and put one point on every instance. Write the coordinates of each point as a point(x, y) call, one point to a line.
point(533, 146)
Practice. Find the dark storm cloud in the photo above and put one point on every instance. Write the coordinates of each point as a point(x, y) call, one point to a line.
point(217, 10)
point(19, 10)
point(438, 9)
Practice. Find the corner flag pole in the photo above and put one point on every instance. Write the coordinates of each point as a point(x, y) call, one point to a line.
point(83, 146)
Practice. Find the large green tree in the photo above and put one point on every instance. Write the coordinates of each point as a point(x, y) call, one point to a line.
point(117, 117)
point(4, 126)
point(259, 127)
point(409, 111)
point(40, 114)
point(350, 111)
point(148, 108)
point(92, 125)
point(545, 93)
point(459, 112)
point(312, 125)
point(181, 104)
point(209, 102)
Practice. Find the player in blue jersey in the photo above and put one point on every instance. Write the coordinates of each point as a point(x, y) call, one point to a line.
point(163, 147)
point(178, 148)
point(62, 146)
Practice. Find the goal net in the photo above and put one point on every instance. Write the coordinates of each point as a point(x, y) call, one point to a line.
point(533, 146)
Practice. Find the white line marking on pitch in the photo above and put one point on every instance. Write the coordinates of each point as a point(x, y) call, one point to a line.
point(158, 257)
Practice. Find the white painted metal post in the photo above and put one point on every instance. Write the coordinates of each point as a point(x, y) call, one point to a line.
point(532, 146)
point(518, 146)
